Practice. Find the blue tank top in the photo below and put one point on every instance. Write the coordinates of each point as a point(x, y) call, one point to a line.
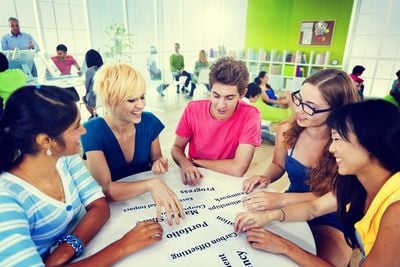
point(298, 175)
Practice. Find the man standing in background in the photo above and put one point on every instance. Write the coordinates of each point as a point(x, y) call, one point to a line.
point(17, 39)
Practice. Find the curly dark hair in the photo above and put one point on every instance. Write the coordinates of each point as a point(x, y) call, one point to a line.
point(227, 70)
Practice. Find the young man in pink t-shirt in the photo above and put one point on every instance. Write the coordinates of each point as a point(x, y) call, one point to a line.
point(63, 61)
point(223, 131)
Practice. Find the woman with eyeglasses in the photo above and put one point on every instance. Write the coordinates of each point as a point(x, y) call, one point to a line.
point(301, 150)
point(366, 193)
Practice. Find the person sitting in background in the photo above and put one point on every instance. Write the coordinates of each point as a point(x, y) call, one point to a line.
point(395, 90)
point(63, 61)
point(50, 206)
point(228, 142)
point(154, 71)
point(355, 76)
point(267, 93)
point(177, 64)
point(301, 150)
point(126, 141)
point(367, 189)
point(10, 80)
point(268, 113)
point(202, 63)
point(93, 62)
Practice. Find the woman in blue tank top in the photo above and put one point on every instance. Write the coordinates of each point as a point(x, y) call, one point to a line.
point(301, 150)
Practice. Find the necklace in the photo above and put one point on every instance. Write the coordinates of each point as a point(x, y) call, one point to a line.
point(61, 196)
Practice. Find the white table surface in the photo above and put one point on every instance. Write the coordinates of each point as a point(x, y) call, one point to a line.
point(206, 235)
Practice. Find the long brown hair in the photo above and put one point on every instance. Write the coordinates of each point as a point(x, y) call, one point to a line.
point(337, 89)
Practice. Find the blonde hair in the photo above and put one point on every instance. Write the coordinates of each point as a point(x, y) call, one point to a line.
point(203, 57)
point(115, 83)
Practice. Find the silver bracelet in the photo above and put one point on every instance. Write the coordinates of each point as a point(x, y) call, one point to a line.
point(284, 215)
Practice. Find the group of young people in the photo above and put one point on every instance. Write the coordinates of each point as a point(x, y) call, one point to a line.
point(337, 152)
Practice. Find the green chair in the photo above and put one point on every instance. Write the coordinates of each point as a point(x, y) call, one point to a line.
point(271, 113)
point(391, 99)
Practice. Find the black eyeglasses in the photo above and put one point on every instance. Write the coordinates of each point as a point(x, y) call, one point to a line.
point(296, 99)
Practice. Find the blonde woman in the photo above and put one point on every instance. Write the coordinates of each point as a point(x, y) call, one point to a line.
point(202, 63)
point(126, 141)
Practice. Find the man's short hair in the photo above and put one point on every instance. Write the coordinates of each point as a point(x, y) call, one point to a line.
point(253, 90)
point(61, 47)
point(177, 44)
point(229, 71)
point(12, 19)
point(358, 69)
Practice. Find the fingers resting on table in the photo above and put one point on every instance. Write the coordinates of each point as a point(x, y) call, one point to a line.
point(166, 199)
point(191, 175)
point(256, 181)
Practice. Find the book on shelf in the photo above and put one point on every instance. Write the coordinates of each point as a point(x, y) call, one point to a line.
point(232, 54)
point(263, 55)
point(322, 58)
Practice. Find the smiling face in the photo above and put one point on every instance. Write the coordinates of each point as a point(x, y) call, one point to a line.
point(61, 54)
point(311, 95)
point(351, 157)
point(130, 110)
point(14, 26)
point(70, 139)
point(224, 99)
point(264, 80)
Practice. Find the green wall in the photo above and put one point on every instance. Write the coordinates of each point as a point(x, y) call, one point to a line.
point(275, 24)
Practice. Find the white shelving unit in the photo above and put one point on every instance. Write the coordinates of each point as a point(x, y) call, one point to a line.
point(286, 69)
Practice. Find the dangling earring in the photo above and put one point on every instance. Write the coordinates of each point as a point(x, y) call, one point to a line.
point(48, 152)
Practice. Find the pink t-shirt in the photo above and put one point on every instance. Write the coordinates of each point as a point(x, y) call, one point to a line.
point(64, 65)
point(214, 139)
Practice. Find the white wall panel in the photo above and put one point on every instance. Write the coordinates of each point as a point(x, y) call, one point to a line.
point(376, 44)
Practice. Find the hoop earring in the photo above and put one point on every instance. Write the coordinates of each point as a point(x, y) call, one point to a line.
point(48, 152)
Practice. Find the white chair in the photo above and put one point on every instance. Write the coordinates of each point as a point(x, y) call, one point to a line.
point(204, 77)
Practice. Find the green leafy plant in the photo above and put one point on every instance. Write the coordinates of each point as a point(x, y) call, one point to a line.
point(120, 42)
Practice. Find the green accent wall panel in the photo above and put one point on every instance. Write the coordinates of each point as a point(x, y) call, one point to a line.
point(275, 24)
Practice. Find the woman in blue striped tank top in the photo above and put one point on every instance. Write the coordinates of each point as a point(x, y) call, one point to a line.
point(50, 206)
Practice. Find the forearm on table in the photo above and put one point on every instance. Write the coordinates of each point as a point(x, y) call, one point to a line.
point(119, 191)
point(227, 166)
point(274, 172)
point(98, 212)
point(300, 256)
point(179, 156)
point(294, 198)
point(108, 256)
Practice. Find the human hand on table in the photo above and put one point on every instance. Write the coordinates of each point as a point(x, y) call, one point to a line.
point(190, 174)
point(265, 240)
point(165, 198)
point(245, 221)
point(142, 235)
point(255, 181)
point(160, 166)
point(261, 201)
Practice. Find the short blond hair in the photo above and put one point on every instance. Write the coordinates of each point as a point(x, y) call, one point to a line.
point(115, 83)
